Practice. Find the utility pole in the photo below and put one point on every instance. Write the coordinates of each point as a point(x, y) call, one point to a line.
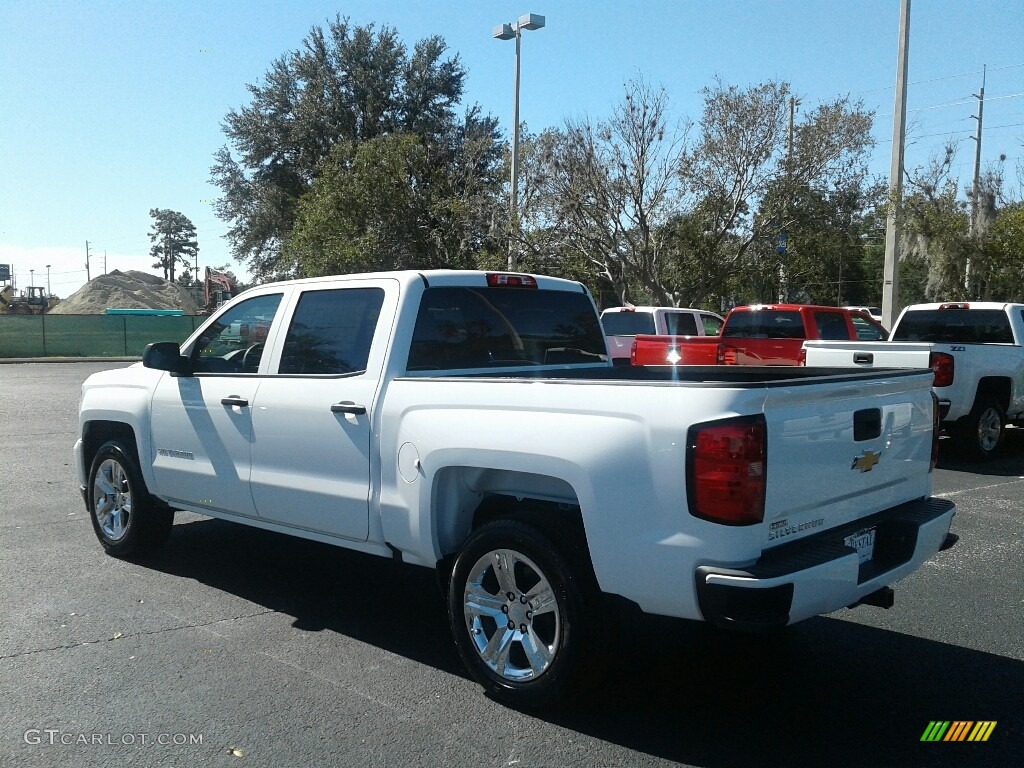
point(87, 276)
point(891, 274)
point(976, 186)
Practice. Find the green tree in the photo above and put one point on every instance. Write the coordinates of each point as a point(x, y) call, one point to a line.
point(346, 84)
point(397, 202)
point(174, 242)
point(1002, 270)
point(660, 218)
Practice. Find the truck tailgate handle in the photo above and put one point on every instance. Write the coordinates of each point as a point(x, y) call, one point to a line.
point(241, 402)
point(347, 406)
point(863, 357)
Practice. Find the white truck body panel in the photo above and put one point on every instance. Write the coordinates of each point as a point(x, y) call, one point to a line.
point(973, 362)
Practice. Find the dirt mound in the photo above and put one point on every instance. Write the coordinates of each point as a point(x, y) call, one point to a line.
point(126, 290)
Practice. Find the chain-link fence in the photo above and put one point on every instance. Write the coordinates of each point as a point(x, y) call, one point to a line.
point(89, 335)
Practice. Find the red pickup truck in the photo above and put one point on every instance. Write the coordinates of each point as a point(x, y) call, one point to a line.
point(759, 334)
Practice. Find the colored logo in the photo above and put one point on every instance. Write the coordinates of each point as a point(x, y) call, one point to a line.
point(958, 730)
point(866, 462)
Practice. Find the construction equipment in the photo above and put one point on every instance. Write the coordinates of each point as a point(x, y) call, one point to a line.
point(34, 302)
point(217, 289)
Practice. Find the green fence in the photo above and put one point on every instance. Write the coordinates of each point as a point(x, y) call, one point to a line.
point(88, 335)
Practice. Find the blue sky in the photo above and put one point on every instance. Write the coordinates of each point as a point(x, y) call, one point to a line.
point(108, 109)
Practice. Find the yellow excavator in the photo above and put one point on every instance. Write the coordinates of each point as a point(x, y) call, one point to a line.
point(35, 302)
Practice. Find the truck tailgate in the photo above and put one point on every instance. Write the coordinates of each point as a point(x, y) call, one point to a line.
point(866, 354)
point(844, 451)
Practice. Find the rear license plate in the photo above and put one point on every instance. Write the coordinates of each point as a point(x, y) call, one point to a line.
point(864, 542)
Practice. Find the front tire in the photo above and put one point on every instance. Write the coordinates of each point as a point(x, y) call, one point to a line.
point(520, 615)
point(126, 519)
point(982, 430)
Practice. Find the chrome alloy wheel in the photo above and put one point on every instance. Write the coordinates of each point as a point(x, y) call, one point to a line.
point(112, 499)
point(990, 428)
point(512, 615)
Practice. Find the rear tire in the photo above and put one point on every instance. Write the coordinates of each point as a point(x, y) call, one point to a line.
point(126, 519)
point(980, 433)
point(520, 613)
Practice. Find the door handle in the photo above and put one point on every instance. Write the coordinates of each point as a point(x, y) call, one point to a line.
point(241, 402)
point(863, 357)
point(347, 406)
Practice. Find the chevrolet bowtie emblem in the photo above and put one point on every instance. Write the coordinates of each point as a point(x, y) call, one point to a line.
point(866, 462)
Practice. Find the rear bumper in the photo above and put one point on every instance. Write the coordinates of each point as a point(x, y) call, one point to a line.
point(820, 573)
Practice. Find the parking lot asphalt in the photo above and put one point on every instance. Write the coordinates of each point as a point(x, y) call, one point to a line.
point(237, 647)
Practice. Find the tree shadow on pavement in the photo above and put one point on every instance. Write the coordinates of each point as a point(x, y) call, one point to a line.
point(826, 692)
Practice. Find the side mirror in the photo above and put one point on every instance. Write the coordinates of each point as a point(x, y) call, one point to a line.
point(165, 356)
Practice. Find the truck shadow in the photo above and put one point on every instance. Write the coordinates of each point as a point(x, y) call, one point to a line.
point(825, 692)
point(1008, 461)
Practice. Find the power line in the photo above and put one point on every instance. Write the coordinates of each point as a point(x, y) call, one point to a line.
point(943, 77)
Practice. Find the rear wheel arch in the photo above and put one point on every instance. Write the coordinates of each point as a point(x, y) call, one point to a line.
point(997, 388)
point(468, 498)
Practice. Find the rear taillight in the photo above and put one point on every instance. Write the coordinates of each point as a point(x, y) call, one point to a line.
point(505, 280)
point(632, 353)
point(726, 355)
point(801, 359)
point(936, 427)
point(942, 366)
point(725, 470)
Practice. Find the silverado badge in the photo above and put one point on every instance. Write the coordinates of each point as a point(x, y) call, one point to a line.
point(865, 462)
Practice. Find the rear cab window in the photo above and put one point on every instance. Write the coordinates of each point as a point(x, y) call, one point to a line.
point(764, 324)
point(627, 323)
point(964, 326)
point(460, 328)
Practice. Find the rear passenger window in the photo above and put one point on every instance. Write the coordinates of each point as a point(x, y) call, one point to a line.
point(680, 324)
point(331, 332)
point(831, 326)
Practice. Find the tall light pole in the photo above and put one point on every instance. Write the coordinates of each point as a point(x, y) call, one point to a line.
point(48, 293)
point(508, 32)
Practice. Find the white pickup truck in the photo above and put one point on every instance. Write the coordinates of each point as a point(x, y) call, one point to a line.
point(975, 350)
point(622, 324)
point(470, 422)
